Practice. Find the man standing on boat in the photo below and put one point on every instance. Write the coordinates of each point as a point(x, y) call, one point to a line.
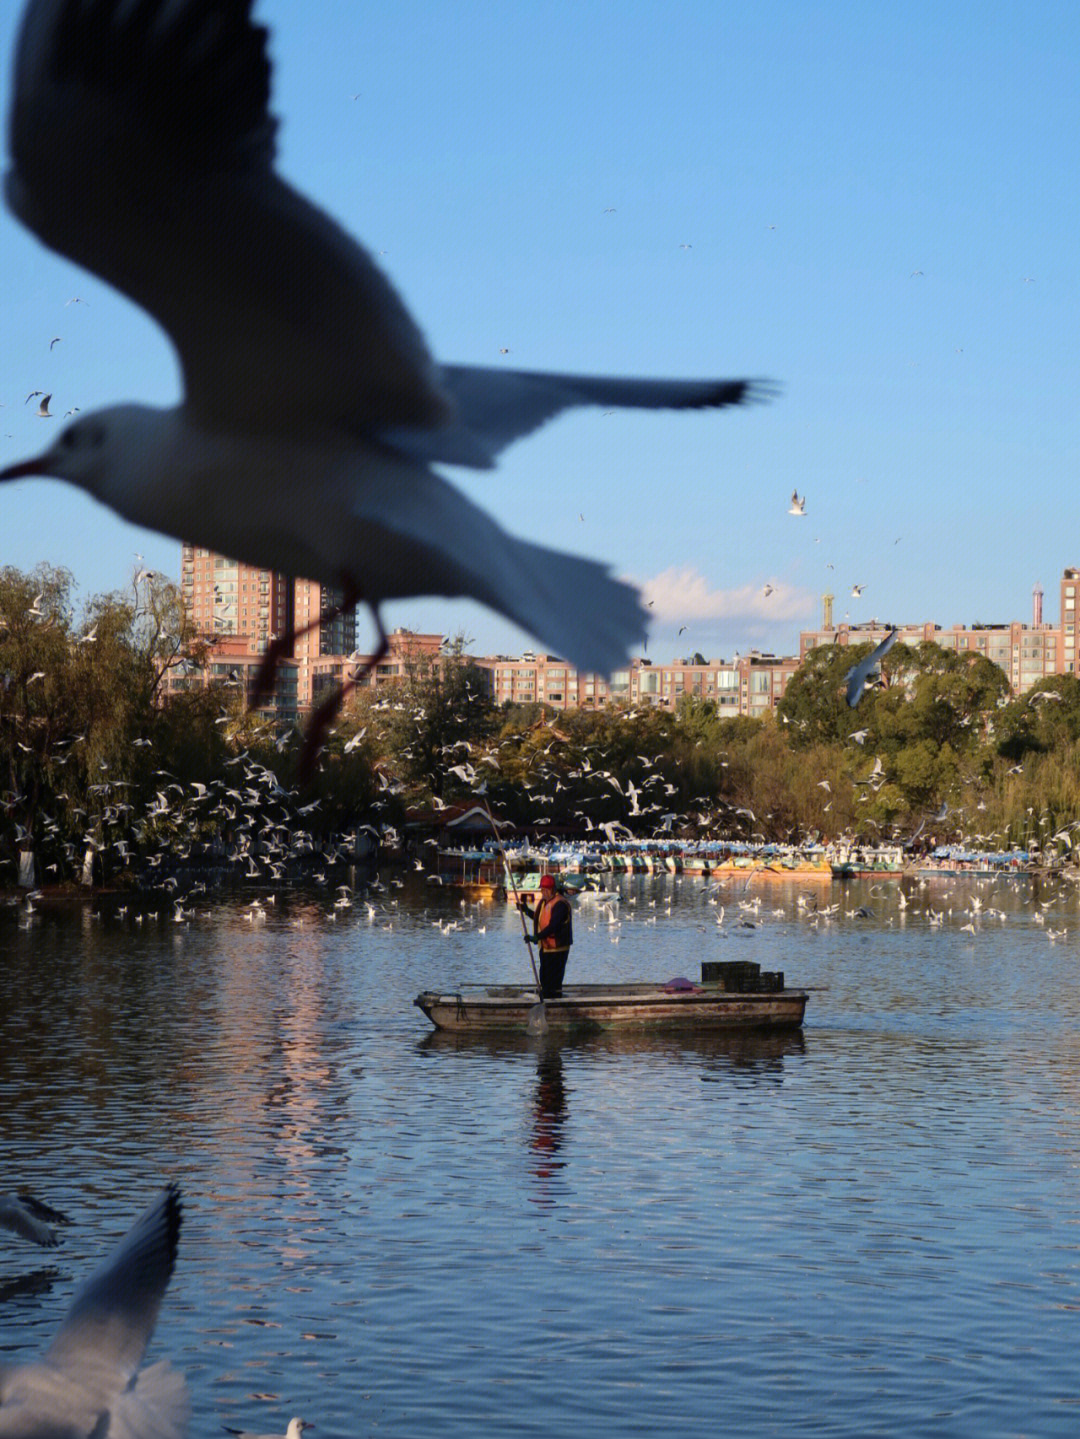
point(553, 932)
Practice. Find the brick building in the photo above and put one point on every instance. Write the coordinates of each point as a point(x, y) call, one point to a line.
point(243, 609)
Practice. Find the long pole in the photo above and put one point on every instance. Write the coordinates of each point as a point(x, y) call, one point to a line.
point(538, 1014)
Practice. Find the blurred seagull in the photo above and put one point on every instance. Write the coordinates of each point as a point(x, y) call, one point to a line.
point(86, 1385)
point(31, 1219)
point(295, 1429)
point(797, 507)
point(43, 408)
point(304, 374)
point(856, 591)
point(858, 676)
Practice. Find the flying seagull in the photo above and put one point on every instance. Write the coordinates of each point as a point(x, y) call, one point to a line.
point(86, 1384)
point(142, 148)
point(797, 506)
point(859, 675)
point(31, 1219)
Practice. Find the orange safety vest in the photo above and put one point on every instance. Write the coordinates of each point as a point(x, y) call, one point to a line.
point(563, 938)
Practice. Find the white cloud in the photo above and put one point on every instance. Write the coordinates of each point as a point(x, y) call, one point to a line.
point(684, 594)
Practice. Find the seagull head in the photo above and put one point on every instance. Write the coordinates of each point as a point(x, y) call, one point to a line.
point(97, 451)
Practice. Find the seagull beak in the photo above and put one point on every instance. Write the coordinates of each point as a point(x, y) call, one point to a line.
point(36, 466)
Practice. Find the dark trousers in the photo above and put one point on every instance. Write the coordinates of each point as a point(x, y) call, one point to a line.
point(552, 969)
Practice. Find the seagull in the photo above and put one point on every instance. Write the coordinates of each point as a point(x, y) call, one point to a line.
point(797, 507)
point(31, 1219)
point(858, 676)
point(86, 1382)
point(856, 591)
point(43, 408)
point(304, 374)
point(295, 1429)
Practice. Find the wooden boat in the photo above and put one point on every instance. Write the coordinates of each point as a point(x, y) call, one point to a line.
point(614, 1006)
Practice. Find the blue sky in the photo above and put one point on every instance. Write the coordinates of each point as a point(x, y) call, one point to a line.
point(880, 206)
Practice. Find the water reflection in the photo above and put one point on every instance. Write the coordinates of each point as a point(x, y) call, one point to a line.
point(731, 1049)
point(549, 1118)
point(36, 1281)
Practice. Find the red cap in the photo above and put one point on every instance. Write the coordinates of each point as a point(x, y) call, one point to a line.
point(547, 881)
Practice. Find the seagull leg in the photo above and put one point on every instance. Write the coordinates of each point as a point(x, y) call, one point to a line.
point(324, 715)
point(263, 682)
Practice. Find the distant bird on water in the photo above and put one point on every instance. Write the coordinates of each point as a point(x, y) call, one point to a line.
point(295, 1429)
point(87, 1384)
point(313, 410)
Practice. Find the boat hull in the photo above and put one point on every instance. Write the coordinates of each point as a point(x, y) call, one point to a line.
point(603, 1007)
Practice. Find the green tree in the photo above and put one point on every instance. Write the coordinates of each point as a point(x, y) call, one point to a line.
point(439, 712)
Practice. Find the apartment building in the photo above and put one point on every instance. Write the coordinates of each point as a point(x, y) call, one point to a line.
point(243, 609)
point(749, 684)
point(1026, 652)
point(406, 652)
point(233, 665)
point(227, 598)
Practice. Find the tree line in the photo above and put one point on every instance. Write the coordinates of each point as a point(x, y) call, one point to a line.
point(94, 751)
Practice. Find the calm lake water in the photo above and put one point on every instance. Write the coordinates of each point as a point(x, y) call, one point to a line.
point(868, 1227)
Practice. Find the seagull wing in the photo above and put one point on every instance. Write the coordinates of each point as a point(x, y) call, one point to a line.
point(856, 677)
point(142, 148)
point(493, 408)
point(106, 1331)
point(428, 528)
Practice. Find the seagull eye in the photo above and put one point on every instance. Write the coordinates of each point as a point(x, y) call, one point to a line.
point(83, 437)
